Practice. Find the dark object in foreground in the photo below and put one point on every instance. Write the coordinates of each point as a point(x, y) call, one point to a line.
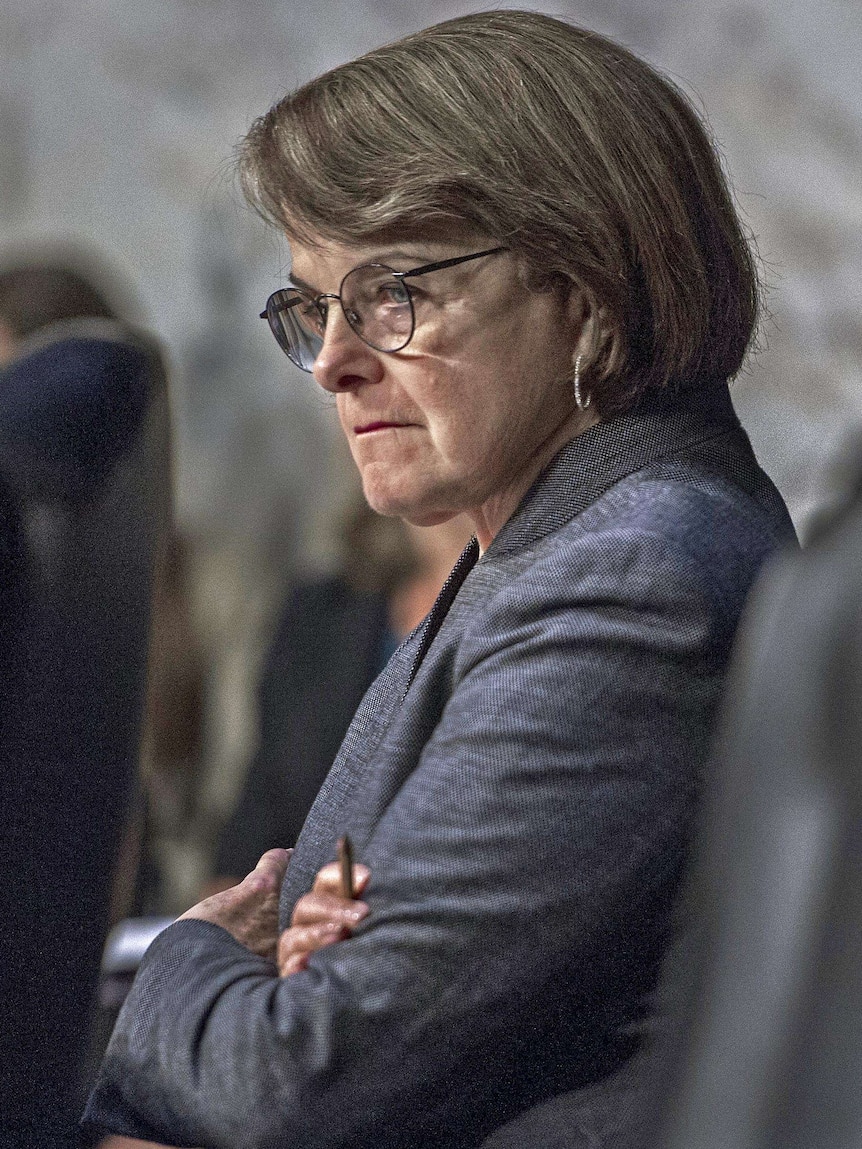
point(776, 1052)
point(84, 488)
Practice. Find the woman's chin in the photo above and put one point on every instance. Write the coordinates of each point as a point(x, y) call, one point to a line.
point(419, 509)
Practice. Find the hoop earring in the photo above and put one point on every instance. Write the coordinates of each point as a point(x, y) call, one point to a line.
point(581, 402)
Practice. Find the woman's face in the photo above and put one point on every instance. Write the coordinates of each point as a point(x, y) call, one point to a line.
point(468, 413)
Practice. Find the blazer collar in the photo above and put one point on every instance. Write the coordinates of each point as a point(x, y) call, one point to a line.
point(591, 463)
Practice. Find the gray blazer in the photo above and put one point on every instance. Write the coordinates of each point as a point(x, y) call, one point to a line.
point(521, 780)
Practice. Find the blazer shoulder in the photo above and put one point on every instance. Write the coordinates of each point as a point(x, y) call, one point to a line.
point(700, 508)
point(669, 511)
point(652, 544)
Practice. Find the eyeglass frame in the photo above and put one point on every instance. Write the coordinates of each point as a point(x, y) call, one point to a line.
point(271, 311)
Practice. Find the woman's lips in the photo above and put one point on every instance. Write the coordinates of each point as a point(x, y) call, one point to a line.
point(377, 425)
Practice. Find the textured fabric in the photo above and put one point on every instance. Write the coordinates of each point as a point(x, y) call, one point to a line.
point(521, 780)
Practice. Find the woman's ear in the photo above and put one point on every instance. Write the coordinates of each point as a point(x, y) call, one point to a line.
point(594, 333)
point(583, 321)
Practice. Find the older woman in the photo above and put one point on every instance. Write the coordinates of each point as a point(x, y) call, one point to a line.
point(517, 269)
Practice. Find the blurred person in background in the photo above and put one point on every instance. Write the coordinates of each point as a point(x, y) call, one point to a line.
point(517, 267)
point(83, 490)
point(334, 636)
point(173, 742)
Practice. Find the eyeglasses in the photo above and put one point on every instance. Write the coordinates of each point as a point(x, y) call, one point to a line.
point(376, 302)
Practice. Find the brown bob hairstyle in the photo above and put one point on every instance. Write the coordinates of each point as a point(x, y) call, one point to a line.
point(582, 159)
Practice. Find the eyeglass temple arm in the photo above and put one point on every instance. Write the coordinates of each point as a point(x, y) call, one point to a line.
point(424, 270)
point(291, 303)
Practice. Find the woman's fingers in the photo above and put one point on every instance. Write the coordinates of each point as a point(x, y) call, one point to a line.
point(292, 965)
point(328, 879)
point(321, 907)
point(322, 917)
point(308, 939)
point(297, 944)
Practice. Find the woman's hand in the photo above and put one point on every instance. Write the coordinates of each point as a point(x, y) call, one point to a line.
point(321, 917)
point(249, 910)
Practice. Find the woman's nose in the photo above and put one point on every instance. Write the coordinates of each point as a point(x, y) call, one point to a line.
point(344, 360)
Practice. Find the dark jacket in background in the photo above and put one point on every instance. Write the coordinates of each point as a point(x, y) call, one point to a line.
point(326, 651)
point(521, 780)
point(82, 490)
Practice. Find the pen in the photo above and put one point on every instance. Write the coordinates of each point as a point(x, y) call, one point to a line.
point(345, 861)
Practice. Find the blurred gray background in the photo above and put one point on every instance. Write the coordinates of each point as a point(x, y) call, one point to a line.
point(117, 125)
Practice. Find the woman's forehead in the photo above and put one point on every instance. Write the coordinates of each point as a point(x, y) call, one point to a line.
point(328, 262)
point(407, 245)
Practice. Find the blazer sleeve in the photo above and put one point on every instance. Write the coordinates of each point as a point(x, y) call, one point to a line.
point(522, 879)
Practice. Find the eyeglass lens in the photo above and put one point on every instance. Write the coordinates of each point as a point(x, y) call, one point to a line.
point(375, 302)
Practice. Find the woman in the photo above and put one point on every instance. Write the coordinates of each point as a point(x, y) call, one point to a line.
point(517, 269)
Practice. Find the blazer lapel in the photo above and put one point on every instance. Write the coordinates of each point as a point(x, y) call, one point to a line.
point(434, 619)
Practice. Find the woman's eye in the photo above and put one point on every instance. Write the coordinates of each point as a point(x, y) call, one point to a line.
point(395, 293)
